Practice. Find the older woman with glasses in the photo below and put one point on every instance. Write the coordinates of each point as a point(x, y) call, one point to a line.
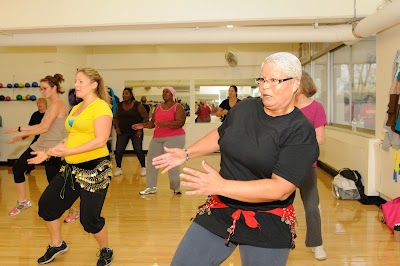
point(267, 147)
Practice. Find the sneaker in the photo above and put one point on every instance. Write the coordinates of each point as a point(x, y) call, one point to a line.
point(73, 214)
point(143, 171)
point(118, 171)
point(149, 190)
point(105, 256)
point(19, 207)
point(319, 253)
point(177, 192)
point(52, 252)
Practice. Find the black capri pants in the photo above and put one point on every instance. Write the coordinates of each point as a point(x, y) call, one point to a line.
point(52, 166)
point(61, 194)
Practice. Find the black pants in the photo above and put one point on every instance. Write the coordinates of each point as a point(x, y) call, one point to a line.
point(52, 166)
point(61, 194)
point(122, 141)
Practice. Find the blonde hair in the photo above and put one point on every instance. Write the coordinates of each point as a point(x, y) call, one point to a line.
point(94, 76)
point(43, 100)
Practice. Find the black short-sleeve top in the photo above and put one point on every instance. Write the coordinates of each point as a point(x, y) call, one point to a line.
point(254, 145)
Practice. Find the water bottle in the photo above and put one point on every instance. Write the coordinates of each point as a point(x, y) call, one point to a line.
point(354, 124)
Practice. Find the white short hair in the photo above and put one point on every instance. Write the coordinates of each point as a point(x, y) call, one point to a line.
point(287, 62)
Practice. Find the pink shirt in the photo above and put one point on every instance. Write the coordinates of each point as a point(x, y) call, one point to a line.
point(166, 115)
point(316, 114)
point(205, 111)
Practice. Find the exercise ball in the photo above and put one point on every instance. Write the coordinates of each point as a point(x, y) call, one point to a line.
point(24, 98)
point(28, 97)
point(8, 98)
point(9, 85)
point(21, 85)
point(16, 85)
point(33, 98)
point(35, 84)
point(27, 85)
point(19, 97)
point(1, 85)
point(2, 98)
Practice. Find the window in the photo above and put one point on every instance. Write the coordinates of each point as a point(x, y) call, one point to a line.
point(354, 87)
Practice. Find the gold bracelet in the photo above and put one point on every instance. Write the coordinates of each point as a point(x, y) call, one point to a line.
point(47, 154)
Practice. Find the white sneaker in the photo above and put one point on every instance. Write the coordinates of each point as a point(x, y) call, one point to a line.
point(143, 171)
point(118, 171)
point(149, 190)
point(319, 253)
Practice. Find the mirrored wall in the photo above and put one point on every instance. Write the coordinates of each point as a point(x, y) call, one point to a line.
point(191, 92)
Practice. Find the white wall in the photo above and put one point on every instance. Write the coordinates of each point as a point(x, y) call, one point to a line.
point(91, 13)
point(29, 64)
point(344, 148)
point(118, 64)
point(121, 63)
point(387, 44)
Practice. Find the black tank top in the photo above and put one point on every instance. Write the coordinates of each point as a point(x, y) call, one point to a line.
point(129, 117)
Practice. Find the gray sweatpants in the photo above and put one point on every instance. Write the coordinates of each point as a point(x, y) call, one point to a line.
point(309, 195)
point(156, 148)
point(200, 247)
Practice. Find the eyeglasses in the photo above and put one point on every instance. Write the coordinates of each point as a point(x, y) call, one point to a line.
point(43, 88)
point(273, 82)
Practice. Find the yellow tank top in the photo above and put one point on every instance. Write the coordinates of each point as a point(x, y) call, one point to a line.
point(80, 130)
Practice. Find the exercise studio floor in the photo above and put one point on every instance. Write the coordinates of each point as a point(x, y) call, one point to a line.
point(145, 230)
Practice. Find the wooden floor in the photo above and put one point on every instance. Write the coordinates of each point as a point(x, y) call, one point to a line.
point(145, 230)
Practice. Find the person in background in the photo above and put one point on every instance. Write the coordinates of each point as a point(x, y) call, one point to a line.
point(267, 147)
point(146, 106)
point(87, 171)
point(213, 109)
point(129, 112)
point(203, 112)
point(168, 119)
point(36, 118)
point(315, 112)
point(227, 104)
point(51, 131)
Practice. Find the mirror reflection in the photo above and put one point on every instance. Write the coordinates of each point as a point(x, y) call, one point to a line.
point(201, 99)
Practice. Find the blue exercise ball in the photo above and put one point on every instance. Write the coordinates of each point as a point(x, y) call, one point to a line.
point(35, 84)
point(9, 85)
point(27, 85)
point(33, 98)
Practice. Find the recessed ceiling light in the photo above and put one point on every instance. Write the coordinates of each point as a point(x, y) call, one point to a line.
point(229, 26)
